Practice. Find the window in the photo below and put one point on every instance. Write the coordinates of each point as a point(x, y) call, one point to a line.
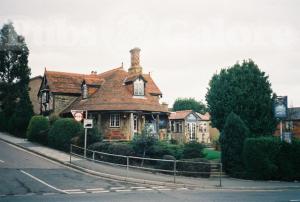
point(84, 91)
point(115, 120)
point(135, 123)
point(172, 126)
point(45, 97)
point(139, 87)
point(178, 127)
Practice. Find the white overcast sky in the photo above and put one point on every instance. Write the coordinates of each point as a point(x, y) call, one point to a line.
point(183, 43)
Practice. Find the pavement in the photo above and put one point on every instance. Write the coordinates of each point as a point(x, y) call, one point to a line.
point(137, 176)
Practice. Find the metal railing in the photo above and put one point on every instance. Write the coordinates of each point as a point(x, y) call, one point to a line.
point(171, 167)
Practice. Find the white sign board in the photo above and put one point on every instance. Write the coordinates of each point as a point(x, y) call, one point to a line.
point(77, 114)
point(88, 123)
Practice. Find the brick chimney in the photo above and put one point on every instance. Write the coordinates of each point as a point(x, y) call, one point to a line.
point(135, 62)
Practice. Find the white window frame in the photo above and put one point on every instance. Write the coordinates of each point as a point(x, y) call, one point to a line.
point(135, 123)
point(139, 87)
point(114, 120)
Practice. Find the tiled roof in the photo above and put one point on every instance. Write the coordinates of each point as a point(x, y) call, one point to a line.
point(204, 117)
point(180, 114)
point(113, 94)
point(65, 82)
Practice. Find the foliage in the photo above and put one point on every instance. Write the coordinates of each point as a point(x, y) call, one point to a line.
point(123, 149)
point(245, 90)
point(93, 135)
point(268, 158)
point(161, 148)
point(193, 150)
point(196, 167)
point(174, 141)
point(14, 79)
point(143, 142)
point(261, 157)
point(21, 116)
point(189, 104)
point(52, 118)
point(211, 154)
point(62, 131)
point(232, 140)
point(38, 129)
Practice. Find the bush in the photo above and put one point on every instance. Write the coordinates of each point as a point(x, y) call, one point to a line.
point(62, 131)
point(38, 129)
point(93, 136)
point(194, 167)
point(173, 141)
point(2, 122)
point(232, 141)
point(52, 118)
point(261, 157)
point(167, 165)
point(123, 149)
point(193, 150)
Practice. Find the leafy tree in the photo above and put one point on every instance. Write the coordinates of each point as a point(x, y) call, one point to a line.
point(143, 142)
point(232, 140)
point(14, 79)
point(245, 90)
point(189, 104)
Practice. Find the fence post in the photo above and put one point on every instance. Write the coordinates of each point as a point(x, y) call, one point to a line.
point(93, 155)
point(127, 166)
point(174, 171)
point(70, 152)
point(221, 170)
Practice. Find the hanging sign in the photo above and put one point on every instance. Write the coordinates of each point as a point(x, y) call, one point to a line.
point(77, 114)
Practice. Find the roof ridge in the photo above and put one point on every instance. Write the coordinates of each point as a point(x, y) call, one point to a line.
point(109, 71)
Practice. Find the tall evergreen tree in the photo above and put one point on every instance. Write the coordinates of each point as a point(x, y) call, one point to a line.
point(15, 104)
point(245, 90)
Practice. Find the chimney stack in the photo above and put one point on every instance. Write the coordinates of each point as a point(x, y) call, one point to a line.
point(135, 62)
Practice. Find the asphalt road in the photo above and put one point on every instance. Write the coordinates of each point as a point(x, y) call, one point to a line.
point(27, 177)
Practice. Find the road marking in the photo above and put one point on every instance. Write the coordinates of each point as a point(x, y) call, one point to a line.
point(46, 194)
point(137, 187)
point(165, 189)
point(102, 191)
point(113, 188)
point(77, 192)
point(70, 190)
point(95, 189)
point(1, 161)
point(294, 200)
point(182, 188)
point(158, 187)
point(123, 190)
point(43, 182)
point(147, 189)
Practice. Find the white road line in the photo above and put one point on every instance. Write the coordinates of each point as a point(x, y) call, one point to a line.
point(158, 187)
point(43, 182)
point(77, 192)
point(1, 161)
point(165, 189)
point(137, 187)
point(117, 188)
point(182, 188)
point(123, 190)
point(70, 190)
point(145, 189)
point(102, 191)
point(95, 189)
point(294, 200)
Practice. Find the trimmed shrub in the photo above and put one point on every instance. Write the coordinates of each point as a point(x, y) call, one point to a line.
point(2, 122)
point(174, 141)
point(38, 128)
point(62, 131)
point(289, 161)
point(53, 118)
point(261, 157)
point(93, 136)
point(192, 150)
point(194, 167)
point(123, 149)
point(167, 165)
point(232, 140)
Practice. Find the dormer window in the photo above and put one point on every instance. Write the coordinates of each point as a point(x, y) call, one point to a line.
point(139, 87)
point(84, 91)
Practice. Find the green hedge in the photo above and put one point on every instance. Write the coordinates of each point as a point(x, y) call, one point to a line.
point(62, 131)
point(196, 167)
point(268, 158)
point(193, 150)
point(38, 128)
